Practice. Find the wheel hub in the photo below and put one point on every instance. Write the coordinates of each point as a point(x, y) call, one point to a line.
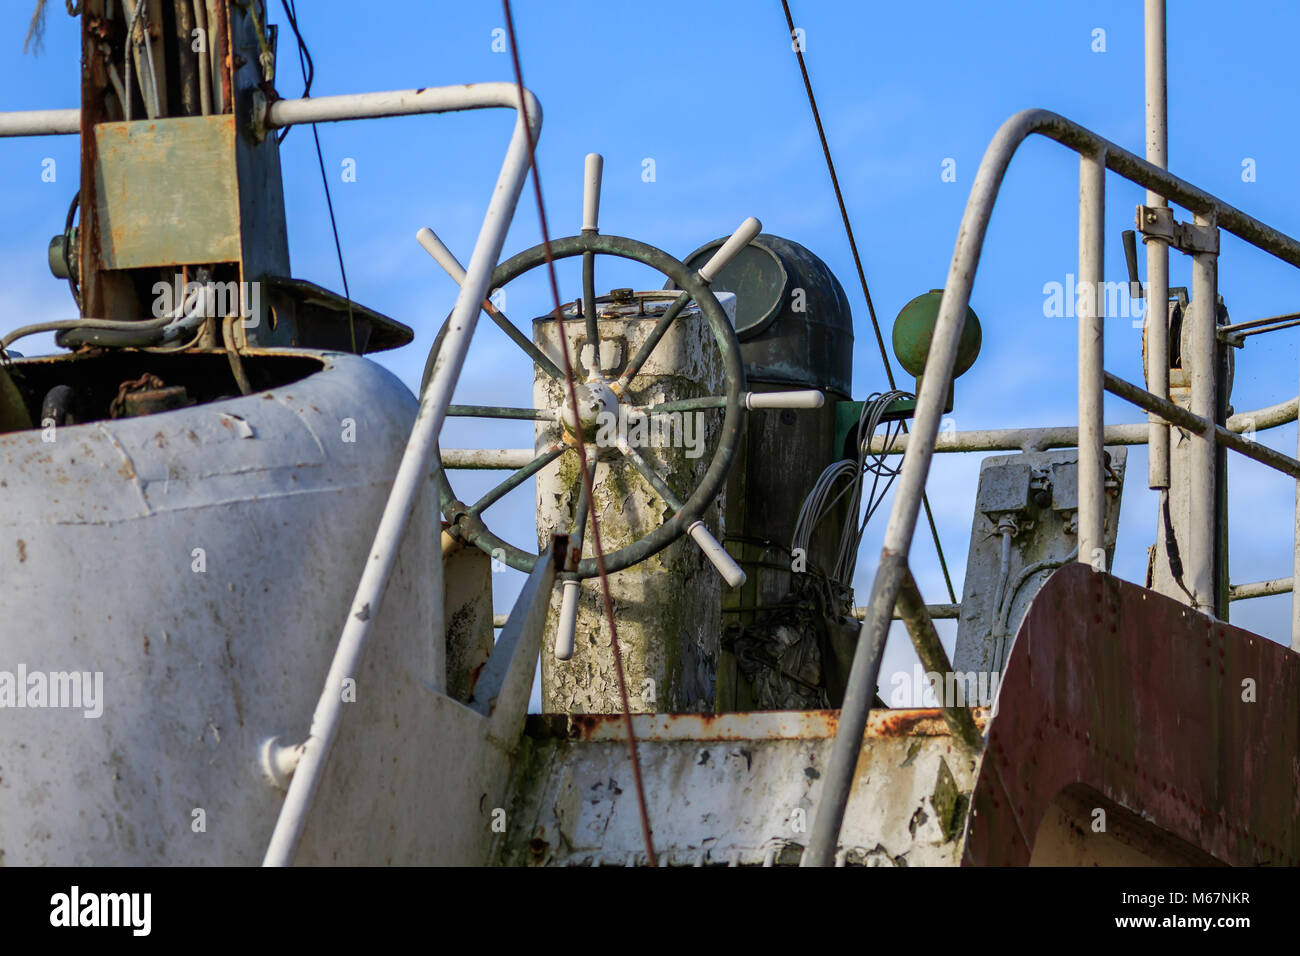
point(597, 404)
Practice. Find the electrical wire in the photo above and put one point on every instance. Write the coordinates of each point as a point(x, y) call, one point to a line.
point(232, 354)
point(64, 325)
point(1171, 547)
point(189, 344)
point(73, 279)
point(818, 504)
point(186, 315)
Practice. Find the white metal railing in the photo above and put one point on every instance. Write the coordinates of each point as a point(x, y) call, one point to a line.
point(1096, 155)
point(40, 123)
point(413, 471)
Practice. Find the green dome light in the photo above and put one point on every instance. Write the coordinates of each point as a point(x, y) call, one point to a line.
point(914, 328)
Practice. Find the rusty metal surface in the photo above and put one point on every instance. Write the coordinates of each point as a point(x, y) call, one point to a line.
point(758, 725)
point(933, 657)
point(1139, 700)
point(147, 207)
point(734, 790)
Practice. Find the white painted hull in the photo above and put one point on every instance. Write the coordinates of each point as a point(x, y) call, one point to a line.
point(100, 572)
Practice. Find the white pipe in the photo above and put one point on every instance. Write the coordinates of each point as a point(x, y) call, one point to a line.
point(965, 259)
point(433, 99)
point(40, 123)
point(435, 247)
point(1157, 289)
point(1201, 354)
point(1091, 478)
point(413, 472)
point(738, 240)
point(718, 556)
point(1259, 589)
point(504, 459)
point(592, 171)
point(1061, 436)
point(808, 398)
point(568, 624)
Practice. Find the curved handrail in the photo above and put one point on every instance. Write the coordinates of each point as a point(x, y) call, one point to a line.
point(892, 569)
point(412, 472)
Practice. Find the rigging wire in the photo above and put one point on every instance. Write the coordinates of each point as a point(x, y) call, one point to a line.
point(862, 277)
point(597, 548)
point(309, 74)
point(304, 57)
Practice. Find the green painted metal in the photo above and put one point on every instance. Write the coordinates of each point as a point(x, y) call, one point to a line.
point(688, 405)
point(517, 479)
point(497, 411)
point(849, 414)
point(792, 316)
point(914, 328)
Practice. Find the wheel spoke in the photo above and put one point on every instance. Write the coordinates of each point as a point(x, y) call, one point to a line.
point(570, 587)
point(519, 477)
point(589, 307)
point(508, 327)
point(497, 411)
point(684, 405)
point(803, 398)
point(649, 474)
point(714, 552)
point(643, 353)
point(435, 247)
point(578, 530)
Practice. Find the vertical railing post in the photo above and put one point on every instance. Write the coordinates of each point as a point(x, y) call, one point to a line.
point(1295, 579)
point(1199, 352)
point(1091, 308)
point(1157, 289)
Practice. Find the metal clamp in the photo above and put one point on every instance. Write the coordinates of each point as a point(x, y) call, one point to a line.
point(1158, 222)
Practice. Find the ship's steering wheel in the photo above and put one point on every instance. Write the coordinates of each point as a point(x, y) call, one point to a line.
point(599, 396)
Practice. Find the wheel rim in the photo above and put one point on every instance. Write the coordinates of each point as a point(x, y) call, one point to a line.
point(471, 526)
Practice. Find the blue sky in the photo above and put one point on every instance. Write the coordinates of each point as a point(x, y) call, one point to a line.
point(712, 93)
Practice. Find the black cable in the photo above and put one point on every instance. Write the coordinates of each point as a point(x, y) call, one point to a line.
point(309, 68)
point(862, 277)
point(309, 74)
point(1171, 548)
point(74, 279)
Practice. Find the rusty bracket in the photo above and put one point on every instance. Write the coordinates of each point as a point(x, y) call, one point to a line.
point(1158, 222)
point(911, 608)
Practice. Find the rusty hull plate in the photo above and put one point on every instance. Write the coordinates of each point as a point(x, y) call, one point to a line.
point(1133, 698)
